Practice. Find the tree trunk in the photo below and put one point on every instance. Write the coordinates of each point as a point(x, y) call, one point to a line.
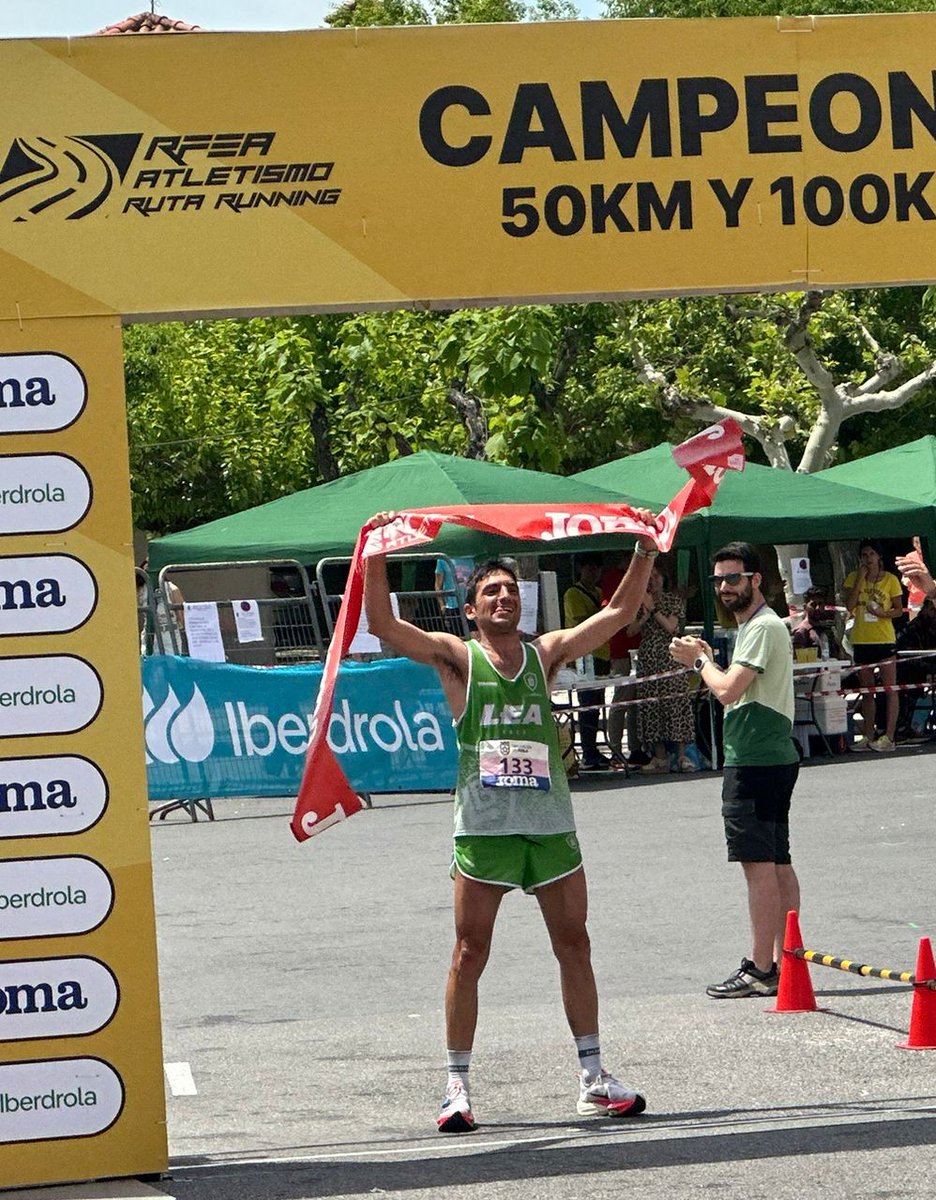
point(471, 412)
point(842, 563)
point(325, 462)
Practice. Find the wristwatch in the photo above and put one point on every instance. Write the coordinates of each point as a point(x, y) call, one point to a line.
point(700, 662)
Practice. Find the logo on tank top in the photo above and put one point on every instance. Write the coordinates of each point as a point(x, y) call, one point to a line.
point(531, 681)
point(512, 714)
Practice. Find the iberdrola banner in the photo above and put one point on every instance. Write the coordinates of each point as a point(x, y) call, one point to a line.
point(325, 796)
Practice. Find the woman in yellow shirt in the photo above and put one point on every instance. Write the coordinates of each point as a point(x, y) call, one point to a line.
point(874, 598)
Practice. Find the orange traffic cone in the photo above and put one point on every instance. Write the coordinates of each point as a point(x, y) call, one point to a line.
point(795, 993)
point(922, 1034)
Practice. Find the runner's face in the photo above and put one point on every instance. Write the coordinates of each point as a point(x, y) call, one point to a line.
point(497, 602)
point(740, 597)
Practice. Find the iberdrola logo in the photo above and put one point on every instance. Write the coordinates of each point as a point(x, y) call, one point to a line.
point(175, 731)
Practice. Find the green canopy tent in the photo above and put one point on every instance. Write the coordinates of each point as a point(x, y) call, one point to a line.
point(766, 505)
point(907, 472)
point(769, 506)
point(323, 522)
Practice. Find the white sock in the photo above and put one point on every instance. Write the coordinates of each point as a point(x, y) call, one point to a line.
point(589, 1052)
point(458, 1063)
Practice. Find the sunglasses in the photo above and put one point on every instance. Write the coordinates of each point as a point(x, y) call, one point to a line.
point(733, 578)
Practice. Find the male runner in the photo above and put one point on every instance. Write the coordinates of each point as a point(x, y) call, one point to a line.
point(761, 761)
point(514, 825)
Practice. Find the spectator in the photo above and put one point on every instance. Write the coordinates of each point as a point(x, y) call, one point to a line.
point(915, 595)
point(816, 630)
point(623, 713)
point(917, 635)
point(920, 634)
point(581, 601)
point(874, 598)
point(668, 717)
point(914, 573)
point(166, 604)
point(761, 761)
point(450, 592)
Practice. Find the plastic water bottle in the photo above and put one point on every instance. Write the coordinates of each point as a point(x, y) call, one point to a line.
point(589, 666)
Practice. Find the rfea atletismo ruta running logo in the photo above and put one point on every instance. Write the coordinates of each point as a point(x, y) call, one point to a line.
point(72, 176)
point(162, 175)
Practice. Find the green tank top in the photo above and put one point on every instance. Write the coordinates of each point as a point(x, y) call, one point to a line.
point(511, 777)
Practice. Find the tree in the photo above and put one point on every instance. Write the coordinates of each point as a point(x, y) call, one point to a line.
point(550, 381)
point(797, 367)
point(377, 12)
point(756, 8)
point(224, 415)
point(208, 435)
point(363, 13)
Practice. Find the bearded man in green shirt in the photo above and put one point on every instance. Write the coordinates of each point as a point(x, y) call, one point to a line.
point(514, 825)
point(761, 761)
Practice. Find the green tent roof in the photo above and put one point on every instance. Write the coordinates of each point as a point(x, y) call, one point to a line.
point(908, 471)
point(323, 522)
point(766, 505)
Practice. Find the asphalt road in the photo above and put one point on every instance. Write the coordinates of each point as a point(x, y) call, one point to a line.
point(303, 985)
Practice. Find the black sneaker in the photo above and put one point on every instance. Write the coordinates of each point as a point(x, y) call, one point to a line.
point(596, 763)
point(746, 981)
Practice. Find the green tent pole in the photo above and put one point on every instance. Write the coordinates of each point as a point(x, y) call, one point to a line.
point(708, 597)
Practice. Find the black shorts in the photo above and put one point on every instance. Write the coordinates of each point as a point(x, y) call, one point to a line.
point(872, 652)
point(756, 812)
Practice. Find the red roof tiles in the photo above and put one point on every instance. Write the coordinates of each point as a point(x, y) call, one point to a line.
point(148, 22)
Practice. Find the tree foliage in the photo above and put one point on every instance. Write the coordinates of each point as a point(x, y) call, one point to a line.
point(208, 434)
point(758, 8)
point(802, 373)
point(363, 13)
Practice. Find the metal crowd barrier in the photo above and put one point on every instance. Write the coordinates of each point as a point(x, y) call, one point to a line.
point(425, 607)
point(160, 628)
point(290, 612)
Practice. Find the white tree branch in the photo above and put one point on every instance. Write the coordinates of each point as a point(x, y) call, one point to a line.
point(799, 342)
point(884, 401)
point(701, 408)
point(868, 337)
point(888, 367)
point(837, 400)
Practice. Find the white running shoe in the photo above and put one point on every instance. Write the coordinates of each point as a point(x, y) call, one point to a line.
point(607, 1097)
point(456, 1115)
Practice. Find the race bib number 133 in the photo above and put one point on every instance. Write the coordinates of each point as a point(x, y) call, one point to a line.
point(509, 763)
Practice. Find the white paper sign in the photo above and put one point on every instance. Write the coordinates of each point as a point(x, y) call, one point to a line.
point(364, 641)
point(247, 620)
point(203, 631)
point(800, 579)
point(529, 605)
